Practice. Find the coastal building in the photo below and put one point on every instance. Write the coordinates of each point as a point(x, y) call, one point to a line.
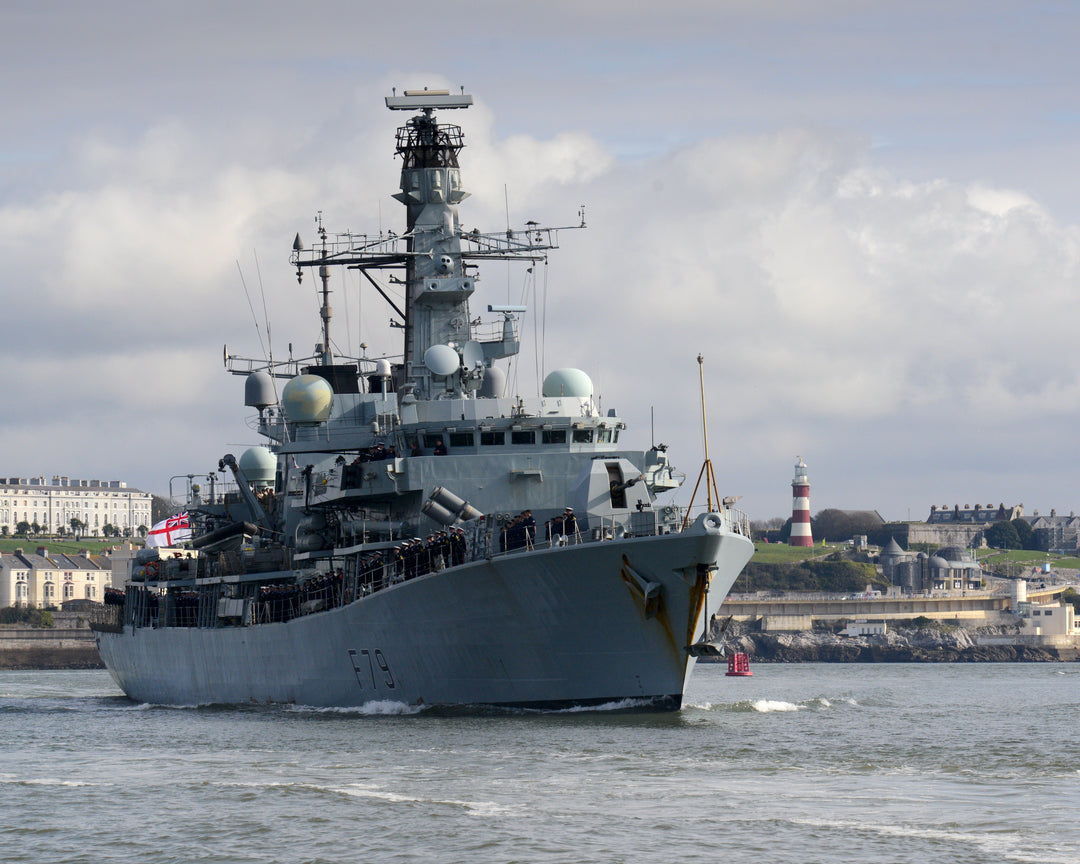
point(865, 628)
point(53, 504)
point(1045, 619)
point(1055, 533)
point(948, 569)
point(48, 580)
point(957, 525)
point(977, 515)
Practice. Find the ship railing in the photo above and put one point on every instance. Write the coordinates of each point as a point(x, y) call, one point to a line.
point(645, 523)
point(108, 618)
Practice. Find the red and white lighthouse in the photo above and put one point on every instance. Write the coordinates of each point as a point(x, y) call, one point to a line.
point(800, 507)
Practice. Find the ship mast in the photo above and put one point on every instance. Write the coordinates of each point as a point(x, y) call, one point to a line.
point(437, 288)
point(441, 357)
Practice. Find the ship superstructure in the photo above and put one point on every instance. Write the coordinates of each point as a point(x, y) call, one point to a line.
point(411, 531)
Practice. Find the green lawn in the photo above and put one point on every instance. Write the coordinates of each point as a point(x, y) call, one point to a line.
point(781, 553)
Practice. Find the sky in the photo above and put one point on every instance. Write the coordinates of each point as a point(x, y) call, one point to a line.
point(865, 216)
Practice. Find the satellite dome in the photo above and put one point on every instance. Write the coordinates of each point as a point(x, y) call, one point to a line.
point(259, 390)
point(382, 368)
point(258, 465)
point(442, 360)
point(568, 382)
point(494, 384)
point(307, 399)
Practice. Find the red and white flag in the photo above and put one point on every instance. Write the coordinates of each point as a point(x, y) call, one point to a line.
point(175, 529)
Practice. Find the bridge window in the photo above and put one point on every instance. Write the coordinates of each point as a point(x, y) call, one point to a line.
point(554, 436)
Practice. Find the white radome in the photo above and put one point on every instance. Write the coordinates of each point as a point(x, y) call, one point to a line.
point(307, 399)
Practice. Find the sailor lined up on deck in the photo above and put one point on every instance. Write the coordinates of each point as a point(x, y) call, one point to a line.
point(519, 532)
point(564, 525)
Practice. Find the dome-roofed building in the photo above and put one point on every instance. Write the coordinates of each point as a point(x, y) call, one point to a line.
point(948, 569)
point(951, 569)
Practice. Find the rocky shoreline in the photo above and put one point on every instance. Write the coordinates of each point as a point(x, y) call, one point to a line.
point(915, 645)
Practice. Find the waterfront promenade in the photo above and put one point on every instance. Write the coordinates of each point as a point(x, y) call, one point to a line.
point(799, 611)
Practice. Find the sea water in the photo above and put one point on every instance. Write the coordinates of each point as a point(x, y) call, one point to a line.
point(800, 763)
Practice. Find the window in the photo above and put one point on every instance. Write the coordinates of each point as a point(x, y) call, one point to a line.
point(605, 436)
point(554, 436)
point(523, 436)
point(489, 439)
point(583, 436)
point(432, 440)
point(461, 439)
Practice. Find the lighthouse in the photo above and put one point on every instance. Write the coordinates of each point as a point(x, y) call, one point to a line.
point(800, 507)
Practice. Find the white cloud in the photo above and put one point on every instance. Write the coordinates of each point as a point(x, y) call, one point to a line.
point(866, 305)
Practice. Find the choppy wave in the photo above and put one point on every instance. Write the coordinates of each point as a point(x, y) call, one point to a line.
point(767, 706)
point(46, 781)
point(381, 708)
point(370, 792)
point(1006, 844)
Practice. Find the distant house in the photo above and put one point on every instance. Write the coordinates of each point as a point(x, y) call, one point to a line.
point(956, 525)
point(48, 580)
point(1055, 533)
point(52, 504)
point(1048, 620)
point(977, 515)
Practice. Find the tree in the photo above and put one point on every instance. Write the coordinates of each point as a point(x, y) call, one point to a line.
point(77, 525)
point(1025, 533)
point(767, 529)
point(838, 526)
point(1002, 535)
point(23, 528)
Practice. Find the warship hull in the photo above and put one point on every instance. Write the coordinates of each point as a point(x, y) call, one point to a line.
point(578, 625)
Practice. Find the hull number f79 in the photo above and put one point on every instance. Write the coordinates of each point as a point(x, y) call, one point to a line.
point(374, 668)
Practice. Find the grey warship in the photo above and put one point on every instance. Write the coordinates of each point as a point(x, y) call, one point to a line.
point(409, 532)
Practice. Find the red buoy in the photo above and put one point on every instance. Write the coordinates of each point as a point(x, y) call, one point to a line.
point(738, 665)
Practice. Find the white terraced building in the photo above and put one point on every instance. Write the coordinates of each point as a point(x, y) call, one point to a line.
point(52, 504)
point(47, 579)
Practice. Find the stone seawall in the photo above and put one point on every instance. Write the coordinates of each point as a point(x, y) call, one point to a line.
point(69, 645)
point(902, 646)
point(45, 656)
